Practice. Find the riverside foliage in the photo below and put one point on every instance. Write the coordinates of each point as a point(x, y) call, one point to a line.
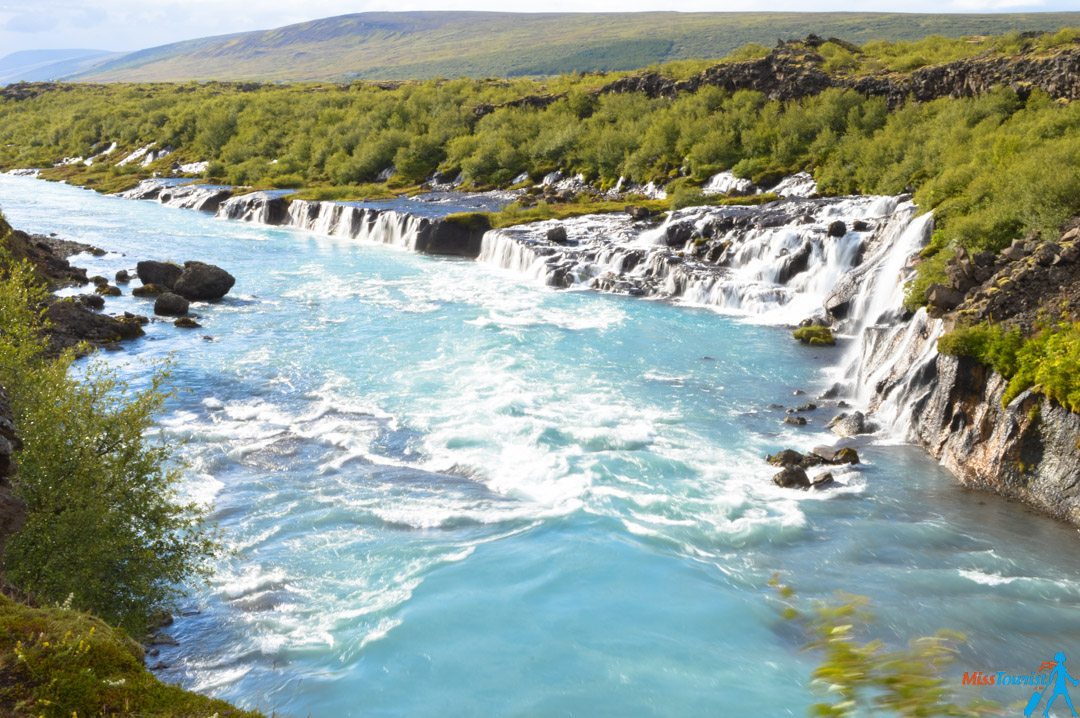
point(993, 168)
point(105, 528)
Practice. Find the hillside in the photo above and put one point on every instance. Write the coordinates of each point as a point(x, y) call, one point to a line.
point(37, 65)
point(382, 45)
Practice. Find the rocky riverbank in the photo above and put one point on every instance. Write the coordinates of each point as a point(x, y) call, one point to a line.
point(1029, 448)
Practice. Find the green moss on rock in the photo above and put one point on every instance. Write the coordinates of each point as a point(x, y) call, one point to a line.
point(815, 336)
point(59, 663)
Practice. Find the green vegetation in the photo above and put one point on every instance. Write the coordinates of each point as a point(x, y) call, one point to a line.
point(412, 45)
point(1048, 362)
point(979, 163)
point(815, 336)
point(59, 663)
point(105, 528)
point(859, 677)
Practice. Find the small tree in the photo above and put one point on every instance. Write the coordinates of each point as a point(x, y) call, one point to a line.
point(104, 525)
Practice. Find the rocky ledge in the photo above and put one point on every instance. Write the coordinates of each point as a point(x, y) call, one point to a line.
point(1029, 449)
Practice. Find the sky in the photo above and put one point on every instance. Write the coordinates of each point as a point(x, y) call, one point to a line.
point(137, 24)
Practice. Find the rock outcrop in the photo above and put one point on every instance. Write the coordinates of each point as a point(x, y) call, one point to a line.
point(1028, 450)
point(74, 326)
point(794, 70)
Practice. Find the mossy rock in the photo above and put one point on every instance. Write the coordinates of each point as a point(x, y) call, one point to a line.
point(57, 662)
point(815, 336)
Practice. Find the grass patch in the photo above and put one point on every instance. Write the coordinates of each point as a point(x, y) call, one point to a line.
point(57, 662)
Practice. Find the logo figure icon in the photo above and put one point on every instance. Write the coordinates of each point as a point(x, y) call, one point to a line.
point(1057, 682)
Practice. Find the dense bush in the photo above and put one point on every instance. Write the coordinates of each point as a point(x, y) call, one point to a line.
point(1049, 361)
point(105, 527)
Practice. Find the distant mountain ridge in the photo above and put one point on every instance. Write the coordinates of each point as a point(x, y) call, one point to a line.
point(416, 45)
point(40, 65)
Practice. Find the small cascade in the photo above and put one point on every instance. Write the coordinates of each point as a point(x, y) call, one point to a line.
point(890, 365)
point(366, 224)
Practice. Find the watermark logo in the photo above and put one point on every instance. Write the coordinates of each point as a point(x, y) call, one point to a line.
point(1057, 680)
point(1050, 682)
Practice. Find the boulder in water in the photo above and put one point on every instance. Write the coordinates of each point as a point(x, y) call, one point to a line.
point(795, 420)
point(108, 290)
point(186, 323)
point(171, 305)
point(203, 282)
point(852, 424)
point(837, 229)
point(123, 277)
point(557, 234)
point(823, 482)
point(163, 273)
point(792, 477)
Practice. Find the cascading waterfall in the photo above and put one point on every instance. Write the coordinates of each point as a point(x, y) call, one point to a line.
point(777, 263)
point(830, 258)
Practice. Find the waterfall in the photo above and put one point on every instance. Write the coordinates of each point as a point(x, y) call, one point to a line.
point(778, 263)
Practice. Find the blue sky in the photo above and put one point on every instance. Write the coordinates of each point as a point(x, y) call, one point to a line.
point(135, 24)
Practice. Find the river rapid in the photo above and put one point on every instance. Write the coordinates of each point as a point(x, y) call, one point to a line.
point(450, 490)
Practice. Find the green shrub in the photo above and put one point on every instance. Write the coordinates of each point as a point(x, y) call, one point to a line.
point(105, 527)
point(815, 336)
point(1049, 361)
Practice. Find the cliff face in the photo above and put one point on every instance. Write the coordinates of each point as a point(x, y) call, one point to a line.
point(952, 405)
point(1028, 450)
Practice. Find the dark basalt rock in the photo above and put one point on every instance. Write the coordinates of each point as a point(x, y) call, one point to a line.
point(109, 290)
point(792, 477)
point(162, 273)
point(73, 324)
point(1027, 450)
point(557, 235)
point(837, 229)
point(91, 301)
point(944, 298)
point(203, 282)
point(795, 263)
point(796, 420)
point(451, 238)
point(171, 305)
point(186, 323)
point(123, 277)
